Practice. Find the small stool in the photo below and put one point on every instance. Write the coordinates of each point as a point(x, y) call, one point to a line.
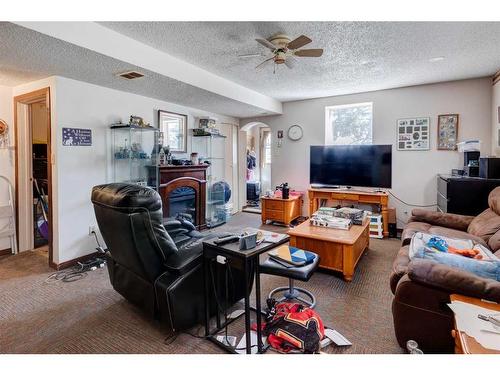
point(302, 273)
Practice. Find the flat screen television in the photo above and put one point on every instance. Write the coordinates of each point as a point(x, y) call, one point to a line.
point(361, 165)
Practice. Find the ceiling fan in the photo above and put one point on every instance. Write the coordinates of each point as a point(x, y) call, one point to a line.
point(285, 50)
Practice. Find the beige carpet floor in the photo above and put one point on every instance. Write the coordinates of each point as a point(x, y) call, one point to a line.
point(88, 316)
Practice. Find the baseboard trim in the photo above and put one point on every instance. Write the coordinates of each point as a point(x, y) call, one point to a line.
point(6, 252)
point(73, 262)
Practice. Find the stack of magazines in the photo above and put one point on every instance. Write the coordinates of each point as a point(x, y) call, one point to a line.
point(331, 222)
point(355, 214)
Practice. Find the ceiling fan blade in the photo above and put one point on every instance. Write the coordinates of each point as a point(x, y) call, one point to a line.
point(251, 55)
point(309, 52)
point(263, 62)
point(299, 42)
point(266, 43)
point(290, 62)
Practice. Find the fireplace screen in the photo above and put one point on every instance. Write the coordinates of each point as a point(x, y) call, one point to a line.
point(182, 202)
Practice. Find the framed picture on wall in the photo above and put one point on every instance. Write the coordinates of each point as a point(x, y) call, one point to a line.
point(414, 134)
point(447, 132)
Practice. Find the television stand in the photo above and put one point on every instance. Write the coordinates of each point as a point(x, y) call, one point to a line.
point(379, 199)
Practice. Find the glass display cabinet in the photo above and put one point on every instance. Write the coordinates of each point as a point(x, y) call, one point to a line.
point(134, 154)
point(211, 150)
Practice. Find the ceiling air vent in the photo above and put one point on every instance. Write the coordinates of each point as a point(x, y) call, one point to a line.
point(131, 75)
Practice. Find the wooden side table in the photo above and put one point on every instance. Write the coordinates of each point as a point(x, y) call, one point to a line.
point(248, 262)
point(465, 344)
point(281, 210)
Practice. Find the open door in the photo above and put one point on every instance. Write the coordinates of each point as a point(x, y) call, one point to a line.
point(33, 171)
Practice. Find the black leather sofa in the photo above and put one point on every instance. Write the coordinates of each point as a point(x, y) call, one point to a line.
point(156, 266)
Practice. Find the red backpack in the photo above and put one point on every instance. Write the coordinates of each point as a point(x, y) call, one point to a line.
point(292, 326)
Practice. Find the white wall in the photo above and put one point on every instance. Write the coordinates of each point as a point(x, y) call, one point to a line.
point(495, 119)
point(82, 105)
point(414, 172)
point(6, 155)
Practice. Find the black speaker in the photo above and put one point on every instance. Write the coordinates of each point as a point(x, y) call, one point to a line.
point(489, 167)
point(393, 230)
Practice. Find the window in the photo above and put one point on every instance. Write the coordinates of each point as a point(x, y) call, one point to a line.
point(174, 128)
point(348, 124)
point(266, 147)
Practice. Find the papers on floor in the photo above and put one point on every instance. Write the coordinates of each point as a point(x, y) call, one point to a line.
point(333, 336)
point(241, 347)
point(468, 322)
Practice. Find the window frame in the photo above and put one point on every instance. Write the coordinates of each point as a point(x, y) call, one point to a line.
point(180, 116)
point(329, 129)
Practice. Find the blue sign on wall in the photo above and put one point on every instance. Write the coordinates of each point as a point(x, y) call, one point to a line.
point(76, 137)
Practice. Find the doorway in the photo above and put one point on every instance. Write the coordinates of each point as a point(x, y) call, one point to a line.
point(258, 164)
point(33, 172)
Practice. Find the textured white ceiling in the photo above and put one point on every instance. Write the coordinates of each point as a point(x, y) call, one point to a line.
point(14, 77)
point(26, 55)
point(359, 56)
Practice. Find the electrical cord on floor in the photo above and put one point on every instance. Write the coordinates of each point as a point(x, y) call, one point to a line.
point(68, 275)
point(79, 271)
point(409, 204)
point(170, 339)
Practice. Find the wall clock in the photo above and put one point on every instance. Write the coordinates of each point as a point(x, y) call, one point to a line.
point(295, 132)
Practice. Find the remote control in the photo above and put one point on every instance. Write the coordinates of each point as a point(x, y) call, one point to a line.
point(226, 240)
point(224, 235)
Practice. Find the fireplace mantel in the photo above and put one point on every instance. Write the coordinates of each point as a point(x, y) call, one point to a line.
point(192, 176)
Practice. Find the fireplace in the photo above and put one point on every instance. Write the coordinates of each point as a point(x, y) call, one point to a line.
point(182, 202)
point(183, 192)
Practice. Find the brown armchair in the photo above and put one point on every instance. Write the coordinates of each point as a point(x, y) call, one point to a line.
point(422, 288)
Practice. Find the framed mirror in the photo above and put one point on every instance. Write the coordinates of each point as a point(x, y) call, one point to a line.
point(174, 129)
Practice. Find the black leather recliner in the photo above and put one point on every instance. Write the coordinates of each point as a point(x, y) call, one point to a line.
point(159, 272)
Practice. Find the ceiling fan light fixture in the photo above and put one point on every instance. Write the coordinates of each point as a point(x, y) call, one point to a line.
point(280, 57)
point(284, 50)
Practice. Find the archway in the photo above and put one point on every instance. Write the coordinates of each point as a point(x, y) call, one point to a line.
point(258, 161)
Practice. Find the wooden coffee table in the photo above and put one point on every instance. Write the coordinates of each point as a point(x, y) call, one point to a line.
point(339, 250)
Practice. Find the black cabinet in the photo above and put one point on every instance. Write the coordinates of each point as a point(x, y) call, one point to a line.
point(464, 195)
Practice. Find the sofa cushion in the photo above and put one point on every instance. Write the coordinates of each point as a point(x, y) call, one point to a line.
point(485, 225)
point(453, 280)
point(494, 200)
point(399, 267)
point(494, 243)
point(441, 219)
point(411, 228)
